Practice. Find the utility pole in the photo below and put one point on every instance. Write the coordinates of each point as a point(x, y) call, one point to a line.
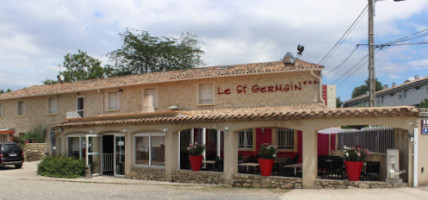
point(372, 84)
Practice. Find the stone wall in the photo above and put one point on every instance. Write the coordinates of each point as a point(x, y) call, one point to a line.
point(200, 177)
point(153, 174)
point(35, 151)
point(257, 181)
point(344, 184)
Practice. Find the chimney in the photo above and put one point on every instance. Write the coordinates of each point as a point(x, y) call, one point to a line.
point(288, 59)
point(385, 86)
point(416, 77)
point(60, 78)
point(393, 85)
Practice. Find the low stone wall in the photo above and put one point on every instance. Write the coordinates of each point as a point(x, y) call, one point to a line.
point(35, 151)
point(344, 184)
point(153, 174)
point(257, 181)
point(200, 177)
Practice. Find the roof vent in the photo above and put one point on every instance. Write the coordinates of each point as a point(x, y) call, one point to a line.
point(393, 85)
point(416, 77)
point(288, 59)
point(385, 86)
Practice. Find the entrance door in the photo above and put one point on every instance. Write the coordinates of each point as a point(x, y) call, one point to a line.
point(93, 156)
point(119, 152)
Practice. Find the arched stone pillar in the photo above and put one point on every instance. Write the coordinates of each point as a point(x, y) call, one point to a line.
point(309, 156)
point(171, 158)
point(230, 155)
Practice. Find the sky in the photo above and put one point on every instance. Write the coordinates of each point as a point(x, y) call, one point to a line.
point(35, 35)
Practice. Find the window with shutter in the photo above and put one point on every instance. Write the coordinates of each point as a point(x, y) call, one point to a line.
point(113, 101)
point(205, 94)
point(52, 105)
point(152, 91)
point(20, 108)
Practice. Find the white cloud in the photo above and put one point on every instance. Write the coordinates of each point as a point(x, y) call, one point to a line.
point(35, 35)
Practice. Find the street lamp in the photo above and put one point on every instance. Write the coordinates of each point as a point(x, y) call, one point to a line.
point(372, 82)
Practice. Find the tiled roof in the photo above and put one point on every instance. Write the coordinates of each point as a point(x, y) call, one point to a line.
point(160, 77)
point(388, 89)
point(311, 111)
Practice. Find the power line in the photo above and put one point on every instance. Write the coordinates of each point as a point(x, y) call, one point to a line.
point(410, 37)
point(364, 58)
point(346, 59)
point(344, 35)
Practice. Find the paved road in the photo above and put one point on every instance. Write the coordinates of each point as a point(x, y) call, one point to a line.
point(25, 184)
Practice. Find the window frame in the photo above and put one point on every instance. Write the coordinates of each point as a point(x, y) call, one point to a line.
point(275, 140)
point(134, 148)
point(49, 105)
point(199, 103)
point(253, 135)
point(108, 108)
point(83, 105)
point(22, 108)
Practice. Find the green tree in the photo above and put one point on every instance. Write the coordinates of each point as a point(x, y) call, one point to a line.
point(5, 91)
point(363, 89)
point(338, 102)
point(143, 53)
point(81, 66)
point(423, 104)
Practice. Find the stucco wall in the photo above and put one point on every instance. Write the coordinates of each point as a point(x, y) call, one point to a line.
point(304, 89)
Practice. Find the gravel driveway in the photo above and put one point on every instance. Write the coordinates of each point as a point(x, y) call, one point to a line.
point(26, 184)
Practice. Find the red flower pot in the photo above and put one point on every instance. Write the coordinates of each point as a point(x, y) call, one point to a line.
point(196, 162)
point(266, 166)
point(353, 169)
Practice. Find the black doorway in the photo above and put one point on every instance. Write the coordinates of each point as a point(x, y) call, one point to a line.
point(108, 155)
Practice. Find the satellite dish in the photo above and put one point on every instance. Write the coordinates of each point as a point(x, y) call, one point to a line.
point(288, 58)
point(300, 49)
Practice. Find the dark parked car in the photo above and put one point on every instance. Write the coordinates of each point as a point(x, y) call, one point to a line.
point(11, 154)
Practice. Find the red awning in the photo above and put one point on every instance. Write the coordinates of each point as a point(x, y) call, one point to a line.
point(7, 131)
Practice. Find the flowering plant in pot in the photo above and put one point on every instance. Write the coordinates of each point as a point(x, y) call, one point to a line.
point(266, 157)
point(195, 155)
point(354, 158)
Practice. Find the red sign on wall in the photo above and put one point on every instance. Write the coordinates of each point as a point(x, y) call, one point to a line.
point(324, 93)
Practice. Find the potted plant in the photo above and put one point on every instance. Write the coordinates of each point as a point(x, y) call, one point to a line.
point(354, 159)
point(266, 157)
point(195, 155)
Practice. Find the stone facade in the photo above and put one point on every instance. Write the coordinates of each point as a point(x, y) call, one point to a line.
point(152, 174)
point(257, 181)
point(345, 184)
point(35, 151)
point(200, 177)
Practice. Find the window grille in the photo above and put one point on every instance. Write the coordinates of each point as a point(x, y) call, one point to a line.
point(285, 138)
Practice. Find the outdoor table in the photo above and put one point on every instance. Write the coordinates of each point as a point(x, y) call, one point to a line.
point(248, 165)
point(294, 166)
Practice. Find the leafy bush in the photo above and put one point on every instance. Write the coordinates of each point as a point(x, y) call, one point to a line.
point(37, 134)
point(267, 151)
point(195, 149)
point(61, 167)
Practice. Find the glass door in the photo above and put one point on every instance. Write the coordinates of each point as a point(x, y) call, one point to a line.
point(119, 152)
point(93, 156)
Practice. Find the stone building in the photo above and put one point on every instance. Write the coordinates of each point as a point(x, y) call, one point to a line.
point(139, 126)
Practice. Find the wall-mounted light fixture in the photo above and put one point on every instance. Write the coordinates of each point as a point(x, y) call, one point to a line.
point(120, 90)
point(165, 130)
point(263, 130)
point(91, 132)
point(124, 131)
